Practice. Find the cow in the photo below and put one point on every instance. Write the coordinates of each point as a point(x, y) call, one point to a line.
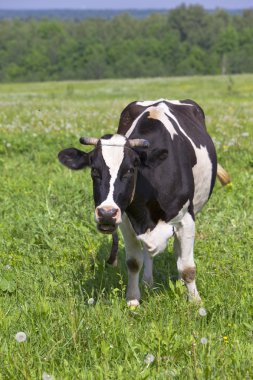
point(150, 179)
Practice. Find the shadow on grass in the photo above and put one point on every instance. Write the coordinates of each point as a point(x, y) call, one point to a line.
point(105, 280)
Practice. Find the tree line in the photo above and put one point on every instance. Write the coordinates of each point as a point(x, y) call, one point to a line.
point(184, 41)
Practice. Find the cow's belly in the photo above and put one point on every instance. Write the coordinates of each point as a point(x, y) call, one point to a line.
point(202, 174)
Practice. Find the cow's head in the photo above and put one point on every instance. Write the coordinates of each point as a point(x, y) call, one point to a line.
point(113, 163)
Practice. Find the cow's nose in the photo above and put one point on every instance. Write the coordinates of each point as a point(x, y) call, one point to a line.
point(107, 213)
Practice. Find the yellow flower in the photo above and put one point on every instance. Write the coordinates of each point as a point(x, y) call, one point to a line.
point(225, 339)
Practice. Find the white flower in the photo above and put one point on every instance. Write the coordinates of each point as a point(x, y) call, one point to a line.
point(203, 340)
point(245, 134)
point(202, 312)
point(149, 358)
point(91, 301)
point(46, 376)
point(20, 337)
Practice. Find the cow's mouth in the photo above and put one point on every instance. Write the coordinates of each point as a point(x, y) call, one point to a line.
point(106, 228)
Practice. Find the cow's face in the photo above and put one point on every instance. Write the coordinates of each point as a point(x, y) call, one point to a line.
point(113, 166)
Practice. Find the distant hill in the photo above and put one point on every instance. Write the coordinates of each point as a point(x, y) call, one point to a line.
point(81, 14)
point(75, 14)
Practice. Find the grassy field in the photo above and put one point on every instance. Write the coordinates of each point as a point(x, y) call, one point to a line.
point(52, 259)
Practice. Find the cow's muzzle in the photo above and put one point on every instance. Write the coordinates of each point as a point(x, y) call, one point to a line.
point(107, 219)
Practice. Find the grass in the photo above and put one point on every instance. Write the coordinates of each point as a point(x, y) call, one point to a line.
point(52, 259)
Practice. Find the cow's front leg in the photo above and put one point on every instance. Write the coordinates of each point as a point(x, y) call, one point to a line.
point(134, 261)
point(183, 249)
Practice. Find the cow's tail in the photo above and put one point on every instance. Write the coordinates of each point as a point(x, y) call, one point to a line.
point(113, 259)
point(223, 175)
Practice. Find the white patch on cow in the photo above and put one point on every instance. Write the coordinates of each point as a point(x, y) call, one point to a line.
point(156, 240)
point(148, 103)
point(113, 155)
point(202, 173)
point(160, 112)
point(183, 250)
point(134, 250)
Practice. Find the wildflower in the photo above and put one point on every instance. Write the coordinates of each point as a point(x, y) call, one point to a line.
point(245, 134)
point(232, 142)
point(46, 376)
point(8, 267)
point(203, 340)
point(149, 358)
point(202, 312)
point(20, 337)
point(225, 339)
point(91, 301)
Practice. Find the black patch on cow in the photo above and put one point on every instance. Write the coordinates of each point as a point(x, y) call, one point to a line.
point(128, 115)
point(165, 179)
point(189, 274)
point(74, 159)
point(132, 265)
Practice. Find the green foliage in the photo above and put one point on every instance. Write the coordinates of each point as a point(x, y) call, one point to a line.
point(52, 259)
point(184, 41)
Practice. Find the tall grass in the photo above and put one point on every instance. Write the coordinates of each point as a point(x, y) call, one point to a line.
point(54, 283)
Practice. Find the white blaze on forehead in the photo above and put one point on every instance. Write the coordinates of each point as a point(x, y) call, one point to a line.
point(113, 154)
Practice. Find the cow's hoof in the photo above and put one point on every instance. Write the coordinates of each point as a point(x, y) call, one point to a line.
point(133, 304)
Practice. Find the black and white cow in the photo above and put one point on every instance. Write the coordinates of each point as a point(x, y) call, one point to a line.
point(151, 178)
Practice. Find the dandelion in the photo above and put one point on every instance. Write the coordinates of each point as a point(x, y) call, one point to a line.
point(20, 337)
point(149, 358)
point(46, 376)
point(91, 301)
point(203, 340)
point(202, 312)
point(225, 339)
point(232, 142)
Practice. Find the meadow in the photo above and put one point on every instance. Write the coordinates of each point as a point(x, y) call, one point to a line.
point(55, 285)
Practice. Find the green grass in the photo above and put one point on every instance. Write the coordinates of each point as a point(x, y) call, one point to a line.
point(53, 259)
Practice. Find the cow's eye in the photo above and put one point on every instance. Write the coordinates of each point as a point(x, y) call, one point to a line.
point(128, 173)
point(95, 173)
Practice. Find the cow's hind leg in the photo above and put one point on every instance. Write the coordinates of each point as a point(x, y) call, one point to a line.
point(148, 270)
point(134, 261)
point(183, 249)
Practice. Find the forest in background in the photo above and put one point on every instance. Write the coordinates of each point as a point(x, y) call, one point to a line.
point(183, 41)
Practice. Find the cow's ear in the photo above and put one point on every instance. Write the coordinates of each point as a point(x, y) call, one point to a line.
point(74, 159)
